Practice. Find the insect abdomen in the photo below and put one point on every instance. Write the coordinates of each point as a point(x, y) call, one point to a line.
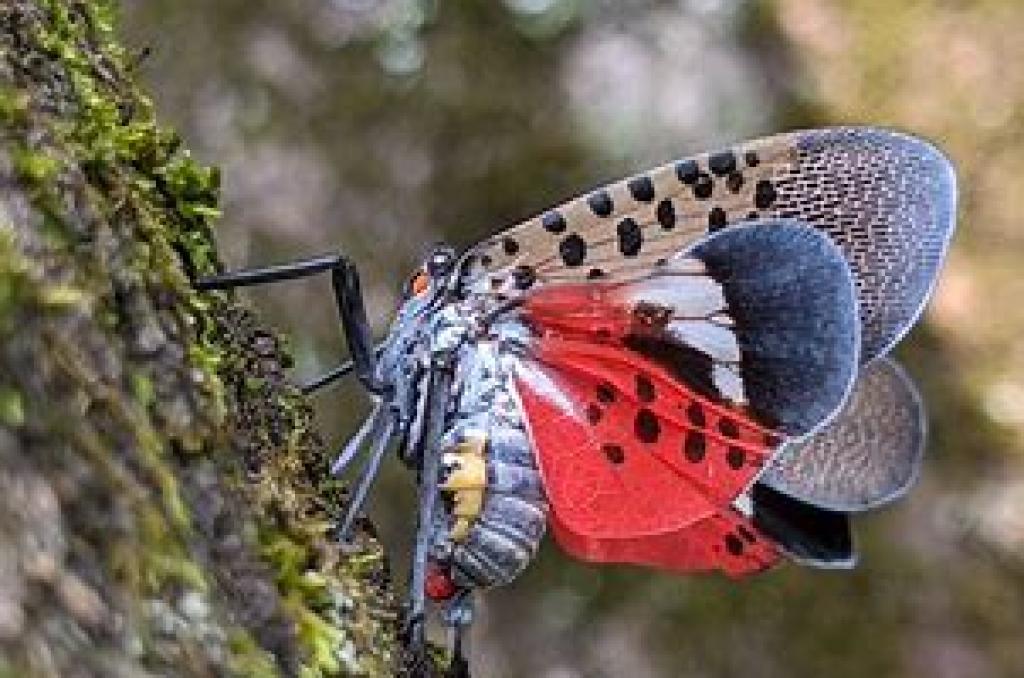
point(506, 535)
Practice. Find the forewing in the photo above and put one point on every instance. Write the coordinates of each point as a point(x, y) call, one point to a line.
point(637, 467)
point(888, 201)
point(867, 456)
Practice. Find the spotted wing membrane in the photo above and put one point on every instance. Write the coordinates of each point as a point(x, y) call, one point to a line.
point(886, 199)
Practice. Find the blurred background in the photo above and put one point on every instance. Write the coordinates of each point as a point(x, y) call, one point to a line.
point(379, 127)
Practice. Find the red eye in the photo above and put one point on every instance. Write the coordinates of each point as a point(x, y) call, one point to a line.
point(419, 283)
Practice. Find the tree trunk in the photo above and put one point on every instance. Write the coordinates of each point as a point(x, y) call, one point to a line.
point(164, 500)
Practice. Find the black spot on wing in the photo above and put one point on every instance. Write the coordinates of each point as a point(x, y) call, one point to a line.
point(646, 427)
point(666, 214)
point(694, 447)
point(687, 172)
point(553, 222)
point(600, 203)
point(613, 453)
point(573, 250)
point(641, 188)
point(631, 237)
point(722, 163)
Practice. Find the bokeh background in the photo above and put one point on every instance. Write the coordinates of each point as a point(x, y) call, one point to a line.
point(379, 127)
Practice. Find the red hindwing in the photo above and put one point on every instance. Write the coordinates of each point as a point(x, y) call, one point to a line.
point(638, 468)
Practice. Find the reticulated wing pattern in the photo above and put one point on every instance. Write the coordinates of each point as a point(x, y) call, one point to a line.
point(867, 456)
point(888, 201)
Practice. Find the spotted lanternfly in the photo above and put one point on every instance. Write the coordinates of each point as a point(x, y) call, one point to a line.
point(684, 370)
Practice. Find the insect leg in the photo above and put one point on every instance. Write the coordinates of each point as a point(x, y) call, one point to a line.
point(380, 446)
point(328, 377)
point(459, 615)
point(347, 293)
point(438, 393)
point(246, 277)
point(369, 428)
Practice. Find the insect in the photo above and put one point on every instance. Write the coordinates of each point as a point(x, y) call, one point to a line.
point(684, 370)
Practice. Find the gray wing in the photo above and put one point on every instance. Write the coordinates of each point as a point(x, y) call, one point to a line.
point(867, 456)
point(889, 201)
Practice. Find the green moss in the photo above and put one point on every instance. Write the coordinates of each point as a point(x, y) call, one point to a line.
point(146, 192)
point(12, 407)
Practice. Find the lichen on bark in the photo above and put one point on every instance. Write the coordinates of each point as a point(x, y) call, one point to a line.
point(164, 501)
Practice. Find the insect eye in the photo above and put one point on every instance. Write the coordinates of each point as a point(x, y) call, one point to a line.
point(419, 284)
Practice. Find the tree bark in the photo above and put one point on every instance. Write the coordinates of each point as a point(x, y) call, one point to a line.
point(164, 495)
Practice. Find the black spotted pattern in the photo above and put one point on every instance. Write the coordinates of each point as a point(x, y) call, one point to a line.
point(703, 187)
point(695, 413)
point(733, 545)
point(717, 219)
point(646, 427)
point(595, 273)
point(694, 447)
point(722, 163)
point(751, 158)
point(614, 453)
point(687, 172)
point(573, 250)
point(606, 392)
point(735, 458)
point(600, 203)
point(734, 182)
point(631, 237)
point(641, 188)
point(666, 214)
point(553, 222)
point(511, 246)
point(728, 428)
point(593, 413)
point(644, 389)
point(764, 194)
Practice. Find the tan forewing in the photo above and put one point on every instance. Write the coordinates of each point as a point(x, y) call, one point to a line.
point(651, 217)
point(886, 199)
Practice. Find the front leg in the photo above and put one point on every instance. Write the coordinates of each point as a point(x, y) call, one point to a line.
point(438, 393)
point(348, 295)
